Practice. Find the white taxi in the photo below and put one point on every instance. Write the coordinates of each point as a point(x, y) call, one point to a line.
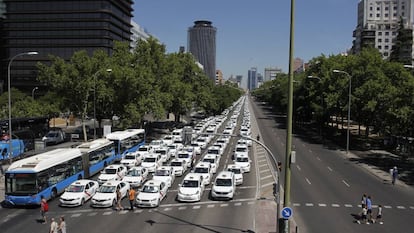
point(224, 186)
point(243, 161)
point(164, 174)
point(152, 162)
point(238, 173)
point(131, 159)
point(78, 193)
point(191, 188)
point(105, 196)
point(136, 176)
point(204, 169)
point(151, 194)
point(112, 172)
point(178, 166)
point(213, 160)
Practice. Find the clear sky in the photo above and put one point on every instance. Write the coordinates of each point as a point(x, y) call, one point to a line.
point(253, 33)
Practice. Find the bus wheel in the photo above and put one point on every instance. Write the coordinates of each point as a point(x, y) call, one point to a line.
point(54, 193)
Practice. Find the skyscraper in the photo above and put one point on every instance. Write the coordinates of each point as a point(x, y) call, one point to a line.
point(252, 79)
point(60, 28)
point(378, 22)
point(202, 44)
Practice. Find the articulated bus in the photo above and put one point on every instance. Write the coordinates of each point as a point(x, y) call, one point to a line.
point(48, 174)
point(129, 140)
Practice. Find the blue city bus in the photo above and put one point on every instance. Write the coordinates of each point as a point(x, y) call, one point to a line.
point(129, 140)
point(97, 154)
point(46, 174)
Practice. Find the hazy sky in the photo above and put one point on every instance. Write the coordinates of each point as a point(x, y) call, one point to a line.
point(253, 33)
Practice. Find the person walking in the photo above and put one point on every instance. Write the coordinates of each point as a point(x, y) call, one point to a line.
point(62, 225)
point(369, 209)
point(118, 200)
point(44, 207)
point(363, 215)
point(379, 215)
point(394, 175)
point(131, 198)
point(364, 200)
point(53, 226)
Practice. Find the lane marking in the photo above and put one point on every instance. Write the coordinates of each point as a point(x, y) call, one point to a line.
point(309, 204)
point(307, 180)
point(265, 170)
point(167, 209)
point(296, 204)
point(412, 207)
point(210, 206)
point(335, 205)
point(387, 207)
point(224, 205)
point(343, 181)
point(196, 207)
point(318, 158)
point(263, 165)
point(182, 207)
point(238, 204)
point(138, 211)
point(266, 177)
point(348, 205)
point(267, 184)
point(123, 211)
point(330, 169)
point(75, 215)
point(92, 214)
point(108, 213)
point(322, 205)
point(297, 166)
point(401, 207)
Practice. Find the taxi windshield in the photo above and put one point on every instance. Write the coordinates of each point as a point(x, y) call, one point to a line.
point(149, 160)
point(223, 182)
point(75, 188)
point(176, 164)
point(110, 171)
point(201, 170)
point(106, 189)
point(190, 184)
point(161, 173)
point(129, 157)
point(133, 172)
point(150, 189)
point(242, 159)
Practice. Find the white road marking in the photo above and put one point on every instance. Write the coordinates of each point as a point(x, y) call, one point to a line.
point(262, 160)
point(309, 204)
point(210, 206)
point(263, 165)
point(322, 205)
point(335, 205)
point(330, 169)
point(401, 207)
point(224, 205)
point(318, 158)
point(167, 209)
point(265, 185)
point(412, 207)
point(123, 211)
point(108, 213)
point(196, 207)
point(75, 215)
point(251, 203)
point(238, 204)
point(307, 180)
point(343, 181)
point(182, 207)
point(264, 170)
point(296, 204)
point(348, 205)
point(298, 167)
point(265, 177)
point(387, 207)
point(138, 211)
point(92, 214)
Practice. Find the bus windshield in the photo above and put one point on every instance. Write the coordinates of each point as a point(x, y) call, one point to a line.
point(21, 184)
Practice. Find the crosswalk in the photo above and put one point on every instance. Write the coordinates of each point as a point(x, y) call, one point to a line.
point(337, 205)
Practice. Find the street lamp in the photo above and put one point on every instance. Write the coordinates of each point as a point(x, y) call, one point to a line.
point(9, 96)
point(320, 80)
point(33, 91)
point(94, 100)
point(349, 105)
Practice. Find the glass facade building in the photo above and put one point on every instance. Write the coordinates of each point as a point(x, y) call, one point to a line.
point(60, 28)
point(202, 45)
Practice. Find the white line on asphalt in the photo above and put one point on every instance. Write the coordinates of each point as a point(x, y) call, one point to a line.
point(224, 205)
point(123, 211)
point(330, 169)
point(335, 205)
point(108, 213)
point(310, 151)
point(238, 204)
point(296, 204)
point(265, 177)
point(343, 181)
point(318, 158)
point(267, 184)
point(263, 165)
point(412, 207)
point(251, 203)
point(138, 211)
point(401, 207)
point(196, 207)
point(322, 205)
point(309, 204)
point(262, 160)
point(387, 207)
point(167, 209)
point(297, 166)
point(92, 214)
point(348, 205)
point(264, 170)
point(307, 180)
point(79, 211)
point(182, 207)
point(210, 206)
point(75, 215)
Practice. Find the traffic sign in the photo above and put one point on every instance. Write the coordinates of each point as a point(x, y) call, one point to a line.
point(287, 212)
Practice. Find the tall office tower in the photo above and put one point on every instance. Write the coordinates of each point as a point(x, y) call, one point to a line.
point(378, 22)
point(239, 79)
point(252, 79)
point(271, 73)
point(202, 44)
point(138, 33)
point(60, 28)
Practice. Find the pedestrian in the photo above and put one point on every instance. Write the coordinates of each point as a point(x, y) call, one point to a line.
point(118, 200)
point(394, 175)
point(53, 226)
point(131, 198)
point(369, 209)
point(364, 200)
point(379, 215)
point(62, 225)
point(363, 215)
point(44, 207)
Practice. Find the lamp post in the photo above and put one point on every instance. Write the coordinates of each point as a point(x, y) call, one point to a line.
point(33, 91)
point(9, 96)
point(320, 80)
point(349, 105)
point(94, 100)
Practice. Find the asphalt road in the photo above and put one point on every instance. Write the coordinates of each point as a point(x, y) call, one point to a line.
point(327, 184)
point(242, 214)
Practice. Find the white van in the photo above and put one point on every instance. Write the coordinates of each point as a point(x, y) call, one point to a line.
point(177, 133)
point(224, 186)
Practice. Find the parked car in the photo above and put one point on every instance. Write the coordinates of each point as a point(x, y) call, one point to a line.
point(152, 193)
point(54, 136)
point(78, 192)
point(105, 196)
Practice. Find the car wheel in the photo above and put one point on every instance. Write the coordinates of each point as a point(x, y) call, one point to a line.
point(82, 201)
point(114, 203)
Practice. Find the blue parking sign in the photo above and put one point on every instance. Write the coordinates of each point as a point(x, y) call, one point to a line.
point(287, 212)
